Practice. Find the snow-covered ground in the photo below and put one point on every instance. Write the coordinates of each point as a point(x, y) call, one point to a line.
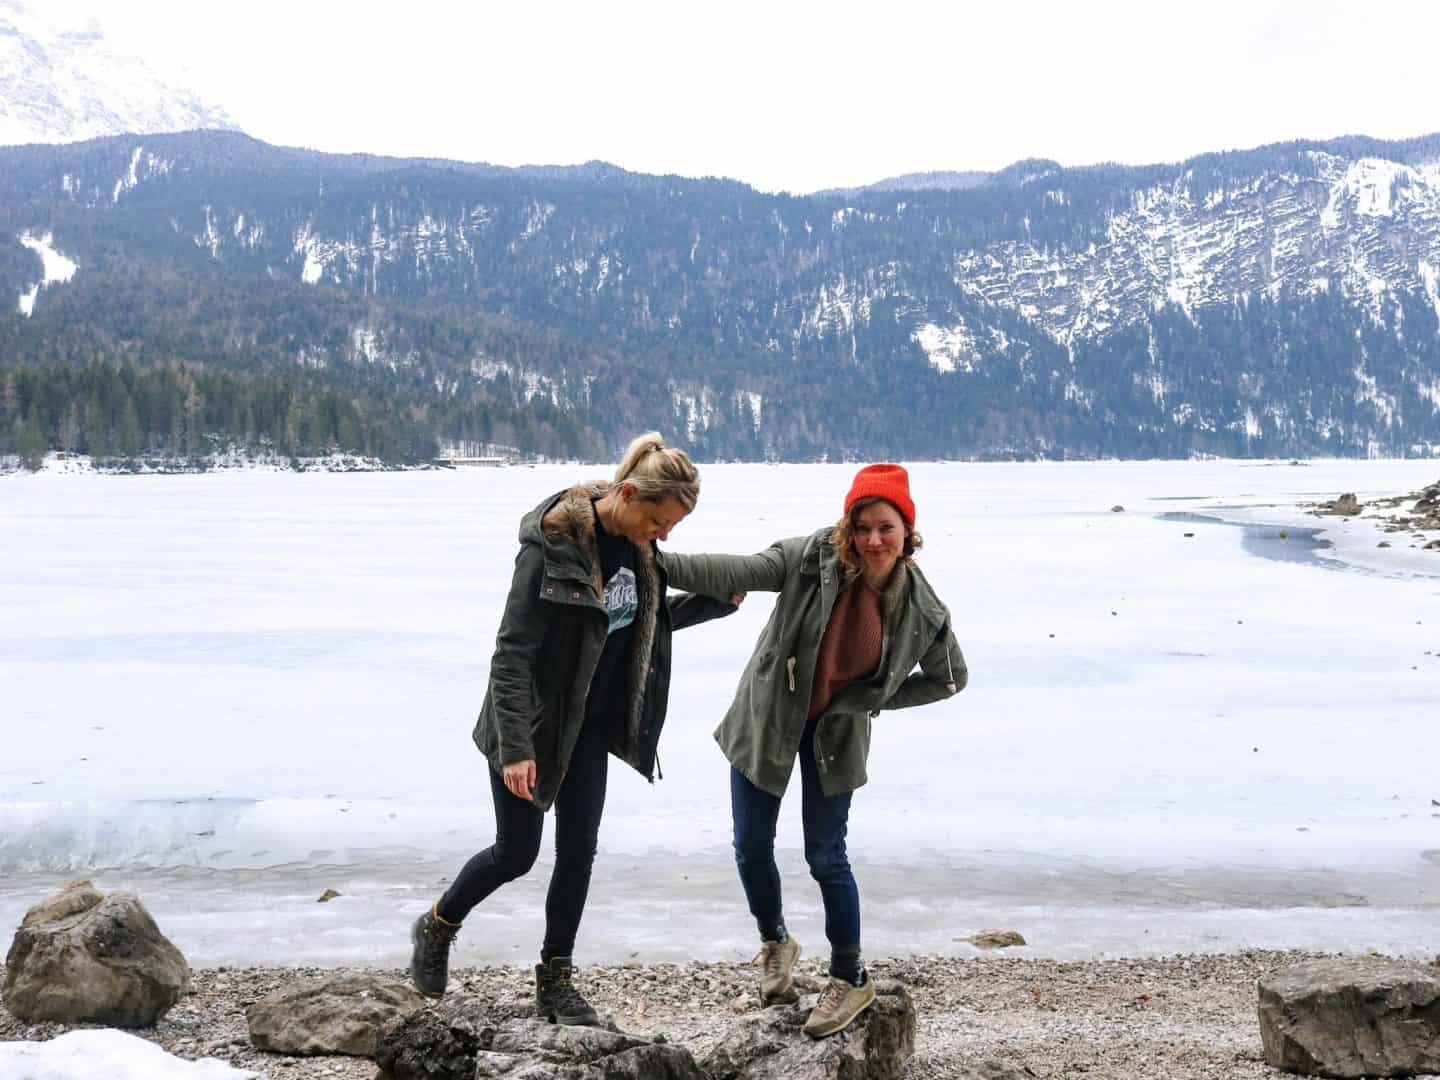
point(231, 692)
point(107, 1054)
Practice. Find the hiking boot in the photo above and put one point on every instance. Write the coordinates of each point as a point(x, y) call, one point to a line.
point(840, 1002)
point(556, 998)
point(777, 971)
point(430, 958)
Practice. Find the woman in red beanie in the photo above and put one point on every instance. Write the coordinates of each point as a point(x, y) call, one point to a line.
point(853, 620)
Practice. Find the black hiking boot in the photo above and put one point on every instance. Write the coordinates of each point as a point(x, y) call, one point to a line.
point(430, 959)
point(556, 998)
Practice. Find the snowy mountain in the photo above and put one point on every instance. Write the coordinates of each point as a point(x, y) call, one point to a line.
point(1277, 301)
point(63, 83)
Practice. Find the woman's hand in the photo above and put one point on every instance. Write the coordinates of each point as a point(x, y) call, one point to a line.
point(737, 598)
point(520, 778)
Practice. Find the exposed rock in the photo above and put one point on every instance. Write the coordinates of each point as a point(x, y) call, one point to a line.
point(74, 898)
point(463, 1040)
point(772, 1044)
point(342, 1015)
point(1428, 501)
point(995, 939)
point(1356, 1016)
point(440, 1043)
point(327, 896)
point(103, 962)
point(1346, 505)
point(1117, 509)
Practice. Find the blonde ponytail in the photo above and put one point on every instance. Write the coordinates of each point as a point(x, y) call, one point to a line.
point(658, 473)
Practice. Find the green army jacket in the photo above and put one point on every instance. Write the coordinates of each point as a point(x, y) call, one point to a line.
point(761, 732)
point(550, 639)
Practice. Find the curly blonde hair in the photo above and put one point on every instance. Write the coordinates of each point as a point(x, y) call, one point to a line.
point(843, 535)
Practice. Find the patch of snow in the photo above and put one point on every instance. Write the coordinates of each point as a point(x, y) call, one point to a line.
point(754, 401)
point(1430, 279)
point(696, 410)
point(210, 238)
point(56, 268)
point(536, 215)
point(107, 1054)
point(318, 254)
point(482, 367)
point(130, 180)
point(948, 349)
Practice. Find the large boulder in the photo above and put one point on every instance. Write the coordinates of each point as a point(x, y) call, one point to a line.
point(461, 1039)
point(342, 1015)
point(1346, 505)
point(82, 957)
point(772, 1044)
point(1353, 1016)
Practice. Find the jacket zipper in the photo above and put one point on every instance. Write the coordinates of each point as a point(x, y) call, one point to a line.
point(790, 670)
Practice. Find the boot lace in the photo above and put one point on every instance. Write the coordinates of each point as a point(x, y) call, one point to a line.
point(772, 958)
point(438, 939)
point(832, 996)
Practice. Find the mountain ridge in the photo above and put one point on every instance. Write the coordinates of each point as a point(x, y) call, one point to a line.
point(1162, 310)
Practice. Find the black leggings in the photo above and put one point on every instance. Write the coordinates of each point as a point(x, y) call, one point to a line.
point(518, 827)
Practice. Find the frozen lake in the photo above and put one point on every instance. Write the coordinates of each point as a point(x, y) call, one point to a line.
point(231, 692)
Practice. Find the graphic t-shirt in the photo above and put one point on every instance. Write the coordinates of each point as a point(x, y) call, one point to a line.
point(622, 601)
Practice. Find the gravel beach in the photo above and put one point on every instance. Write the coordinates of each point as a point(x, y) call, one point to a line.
point(1175, 1018)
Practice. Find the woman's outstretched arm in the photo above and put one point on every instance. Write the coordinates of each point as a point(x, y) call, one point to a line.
point(725, 575)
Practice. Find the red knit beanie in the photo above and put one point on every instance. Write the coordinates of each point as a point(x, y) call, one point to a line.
point(889, 482)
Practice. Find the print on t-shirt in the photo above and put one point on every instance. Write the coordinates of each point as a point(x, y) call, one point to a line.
point(621, 598)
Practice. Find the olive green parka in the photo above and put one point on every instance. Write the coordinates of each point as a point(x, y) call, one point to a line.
point(761, 732)
point(550, 639)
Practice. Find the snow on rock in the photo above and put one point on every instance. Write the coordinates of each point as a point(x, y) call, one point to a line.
point(107, 1054)
point(748, 399)
point(57, 268)
point(948, 348)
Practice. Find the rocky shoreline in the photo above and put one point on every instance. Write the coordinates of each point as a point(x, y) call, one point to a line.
point(1174, 1018)
point(1417, 514)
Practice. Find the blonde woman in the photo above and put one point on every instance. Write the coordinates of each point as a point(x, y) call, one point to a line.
point(581, 667)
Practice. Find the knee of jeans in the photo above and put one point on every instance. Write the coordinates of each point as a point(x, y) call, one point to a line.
point(515, 860)
point(828, 864)
point(577, 853)
point(753, 850)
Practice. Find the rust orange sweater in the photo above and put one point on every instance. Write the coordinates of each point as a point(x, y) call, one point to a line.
point(851, 645)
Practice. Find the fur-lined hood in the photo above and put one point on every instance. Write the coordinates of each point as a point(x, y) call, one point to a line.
point(564, 527)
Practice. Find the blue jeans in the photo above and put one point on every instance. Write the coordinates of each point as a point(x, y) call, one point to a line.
point(826, 819)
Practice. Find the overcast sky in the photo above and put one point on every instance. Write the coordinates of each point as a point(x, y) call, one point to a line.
point(795, 96)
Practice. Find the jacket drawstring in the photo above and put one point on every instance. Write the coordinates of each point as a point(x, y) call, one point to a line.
point(790, 670)
point(949, 670)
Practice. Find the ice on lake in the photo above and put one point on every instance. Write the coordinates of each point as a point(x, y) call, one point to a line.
point(231, 692)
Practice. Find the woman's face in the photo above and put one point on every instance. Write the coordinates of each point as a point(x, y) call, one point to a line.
point(643, 521)
point(879, 539)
